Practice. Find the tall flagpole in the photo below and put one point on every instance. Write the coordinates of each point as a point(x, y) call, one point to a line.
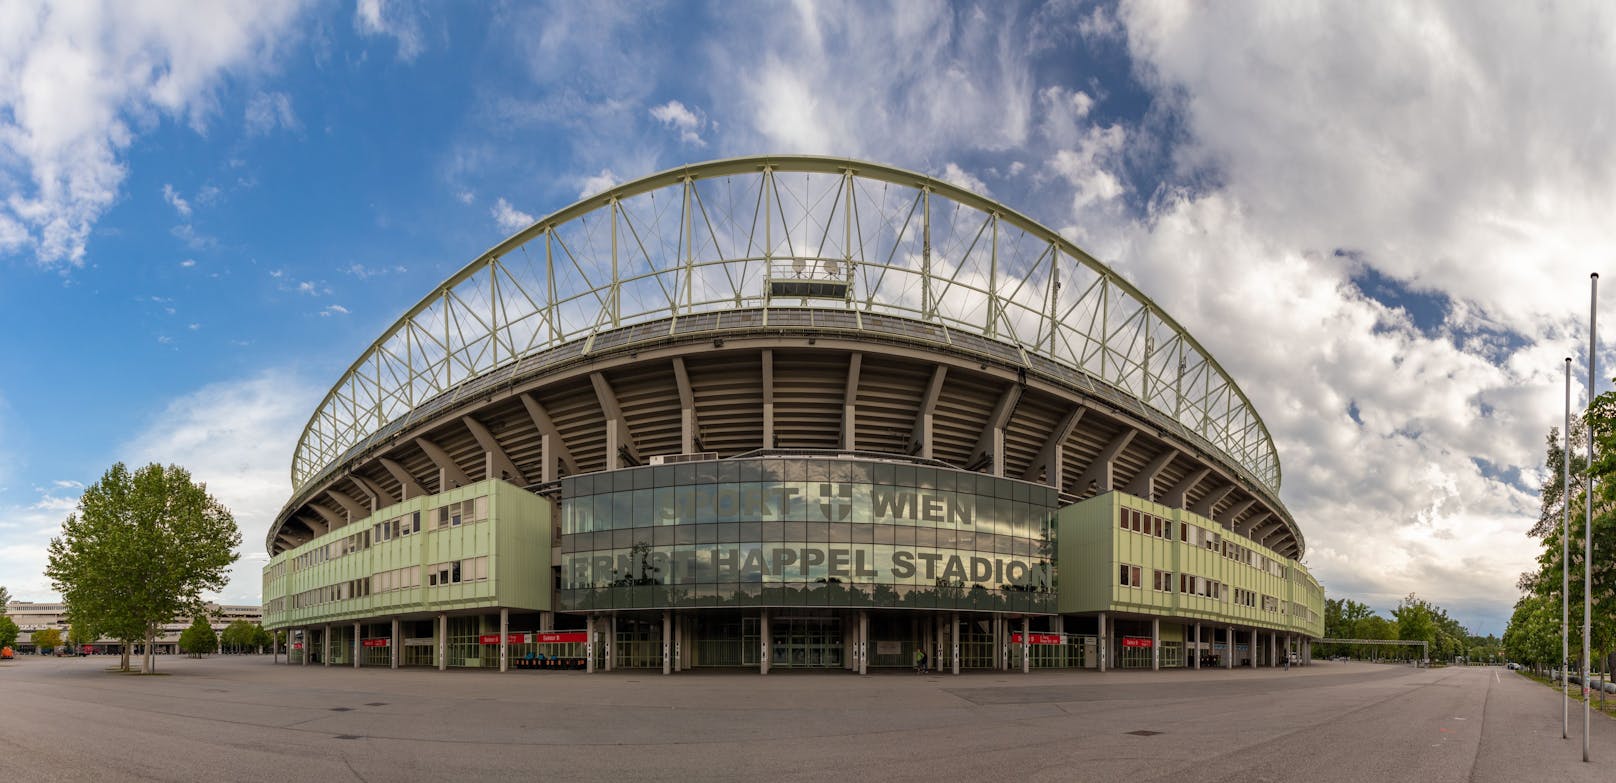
point(1565, 566)
point(1588, 527)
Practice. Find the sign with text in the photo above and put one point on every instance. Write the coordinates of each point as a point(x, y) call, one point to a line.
point(1036, 638)
point(493, 638)
point(1136, 641)
point(567, 637)
point(378, 642)
point(424, 641)
point(297, 645)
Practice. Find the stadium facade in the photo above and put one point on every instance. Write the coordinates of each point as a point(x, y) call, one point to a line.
point(788, 412)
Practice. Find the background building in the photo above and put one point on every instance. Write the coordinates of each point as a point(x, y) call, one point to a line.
point(31, 617)
point(799, 412)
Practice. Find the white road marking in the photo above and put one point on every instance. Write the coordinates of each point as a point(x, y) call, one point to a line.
point(1495, 677)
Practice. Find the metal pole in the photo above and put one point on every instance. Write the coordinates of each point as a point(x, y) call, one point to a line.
point(1588, 527)
point(1565, 565)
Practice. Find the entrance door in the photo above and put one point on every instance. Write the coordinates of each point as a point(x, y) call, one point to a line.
point(806, 642)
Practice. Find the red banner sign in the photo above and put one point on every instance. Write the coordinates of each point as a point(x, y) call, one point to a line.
point(1036, 638)
point(377, 642)
point(297, 645)
point(570, 637)
point(493, 638)
point(1136, 641)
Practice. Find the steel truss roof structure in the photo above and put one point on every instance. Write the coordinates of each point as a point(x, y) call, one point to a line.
point(788, 232)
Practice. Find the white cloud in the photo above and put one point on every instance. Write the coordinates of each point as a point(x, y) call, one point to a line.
point(385, 18)
point(188, 263)
point(509, 218)
point(597, 184)
point(367, 272)
point(954, 175)
point(674, 115)
point(174, 200)
point(193, 240)
point(465, 197)
point(335, 309)
point(268, 111)
point(81, 81)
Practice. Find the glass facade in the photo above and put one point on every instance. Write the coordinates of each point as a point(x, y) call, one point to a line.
point(825, 532)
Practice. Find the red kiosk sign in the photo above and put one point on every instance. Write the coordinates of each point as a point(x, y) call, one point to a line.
point(1036, 638)
point(384, 642)
point(1136, 641)
point(570, 637)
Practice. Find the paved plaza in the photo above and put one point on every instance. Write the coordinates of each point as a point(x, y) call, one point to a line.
point(243, 718)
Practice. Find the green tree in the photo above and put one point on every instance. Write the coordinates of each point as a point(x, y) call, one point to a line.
point(80, 634)
point(5, 598)
point(8, 631)
point(198, 639)
point(139, 551)
point(261, 638)
point(242, 635)
point(47, 639)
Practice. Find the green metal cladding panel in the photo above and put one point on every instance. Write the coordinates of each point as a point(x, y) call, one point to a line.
point(516, 538)
point(1092, 548)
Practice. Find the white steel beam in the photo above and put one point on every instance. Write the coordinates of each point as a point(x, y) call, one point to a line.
point(920, 440)
point(1098, 474)
point(409, 487)
point(502, 461)
point(449, 474)
point(1050, 457)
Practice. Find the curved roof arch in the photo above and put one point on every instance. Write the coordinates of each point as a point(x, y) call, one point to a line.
point(798, 230)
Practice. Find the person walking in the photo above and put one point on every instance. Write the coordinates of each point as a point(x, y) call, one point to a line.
point(920, 660)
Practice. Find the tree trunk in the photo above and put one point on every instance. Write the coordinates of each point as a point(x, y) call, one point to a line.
point(123, 656)
point(150, 664)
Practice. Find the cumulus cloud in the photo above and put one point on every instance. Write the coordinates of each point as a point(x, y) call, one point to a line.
point(597, 183)
point(83, 81)
point(674, 115)
point(392, 20)
point(510, 218)
point(268, 111)
point(954, 175)
point(331, 310)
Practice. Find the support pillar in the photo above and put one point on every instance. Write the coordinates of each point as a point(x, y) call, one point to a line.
point(325, 647)
point(763, 656)
point(863, 643)
point(1155, 644)
point(1254, 648)
point(504, 640)
point(1229, 633)
point(305, 643)
point(937, 646)
point(589, 644)
point(1102, 645)
point(443, 642)
point(678, 644)
point(392, 644)
point(954, 638)
point(667, 641)
point(547, 621)
point(356, 646)
point(1026, 644)
point(1196, 664)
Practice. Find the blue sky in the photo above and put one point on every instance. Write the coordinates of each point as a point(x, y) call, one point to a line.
point(207, 213)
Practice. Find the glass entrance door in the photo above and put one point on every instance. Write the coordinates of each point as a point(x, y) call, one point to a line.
point(806, 642)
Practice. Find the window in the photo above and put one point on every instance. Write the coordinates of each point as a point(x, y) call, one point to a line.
point(1122, 518)
point(1130, 576)
point(1163, 581)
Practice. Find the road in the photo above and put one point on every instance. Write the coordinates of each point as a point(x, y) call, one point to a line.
point(243, 718)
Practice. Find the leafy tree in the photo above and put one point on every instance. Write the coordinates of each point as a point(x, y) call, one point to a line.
point(5, 598)
point(8, 631)
point(242, 635)
point(48, 639)
point(139, 551)
point(261, 638)
point(79, 634)
point(198, 639)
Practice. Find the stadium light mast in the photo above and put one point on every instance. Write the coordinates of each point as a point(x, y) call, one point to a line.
point(1565, 565)
point(1588, 527)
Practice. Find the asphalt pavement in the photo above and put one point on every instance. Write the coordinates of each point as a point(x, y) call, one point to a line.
point(244, 718)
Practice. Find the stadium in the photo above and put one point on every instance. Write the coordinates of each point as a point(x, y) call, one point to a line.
point(788, 413)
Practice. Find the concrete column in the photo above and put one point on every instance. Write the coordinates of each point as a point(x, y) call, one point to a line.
point(393, 644)
point(547, 621)
point(1155, 644)
point(611, 642)
point(305, 644)
point(763, 629)
point(1229, 632)
point(504, 638)
point(589, 644)
point(443, 642)
point(357, 645)
point(678, 644)
point(325, 647)
point(863, 643)
point(667, 641)
point(1196, 656)
point(1254, 648)
point(1026, 644)
point(954, 639)
point(1101, 646)
point(937, 636)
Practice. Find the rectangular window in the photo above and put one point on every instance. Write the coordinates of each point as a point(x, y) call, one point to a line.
point(417, 517)
point(454, 570)
point(1122, 518)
